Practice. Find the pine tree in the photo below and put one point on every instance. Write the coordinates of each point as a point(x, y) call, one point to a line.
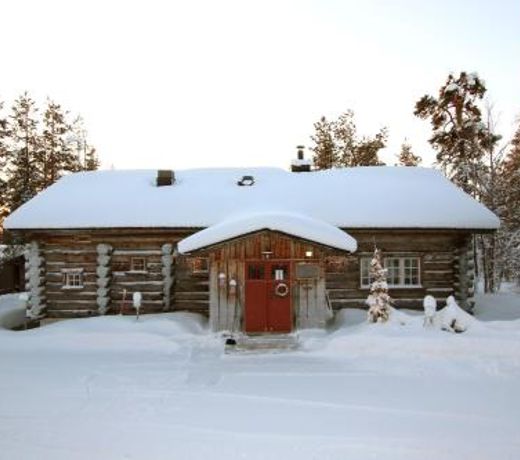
point(24, 155)
point(337, 144)
point(4, 135)
point(510, 172)
point(32, 158)
point(325, 153)
point(510, 210)
point(91, 160)
point(406, 157)
point(459, 136)
point(379, 301)
point(58, 156)
point(85, 155)
point(367, 150)
point(344, 129)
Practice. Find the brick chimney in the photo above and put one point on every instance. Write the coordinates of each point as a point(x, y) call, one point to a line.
point(165, 177)
point(300, 164)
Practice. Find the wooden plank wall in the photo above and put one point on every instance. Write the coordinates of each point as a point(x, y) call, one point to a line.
point(227, 304)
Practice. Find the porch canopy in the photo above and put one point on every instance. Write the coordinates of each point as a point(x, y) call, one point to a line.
point(293, 224)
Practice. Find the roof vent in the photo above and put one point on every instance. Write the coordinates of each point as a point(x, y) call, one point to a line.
point(165, 177)
point(300, 164)
point(246, 181)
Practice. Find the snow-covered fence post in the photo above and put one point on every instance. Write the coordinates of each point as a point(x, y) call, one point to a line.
point(464, 271)
point(430, 307)
point(167, 262)
point(34, 281)
point(378, 301)
point(136, 301)
point(104, 252)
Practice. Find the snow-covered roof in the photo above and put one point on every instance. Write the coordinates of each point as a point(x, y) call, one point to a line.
point(362, 197)
point(290, 223)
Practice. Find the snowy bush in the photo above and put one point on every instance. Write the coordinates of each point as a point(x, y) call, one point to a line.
point(378, 301)
point(452, 318)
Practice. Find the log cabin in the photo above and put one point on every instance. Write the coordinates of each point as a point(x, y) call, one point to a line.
point(257, 250)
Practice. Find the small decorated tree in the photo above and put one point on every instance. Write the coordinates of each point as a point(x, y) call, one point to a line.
point(378, 301)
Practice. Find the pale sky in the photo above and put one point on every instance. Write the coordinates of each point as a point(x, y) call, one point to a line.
point(239, 83)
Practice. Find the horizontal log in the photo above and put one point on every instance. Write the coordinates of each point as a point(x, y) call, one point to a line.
point(69, 251)
point(192, 296)
point(202, 286)
point(134, 277)
point(137, 251)
point(51, 313)
point(67, 304)
point(52, 296)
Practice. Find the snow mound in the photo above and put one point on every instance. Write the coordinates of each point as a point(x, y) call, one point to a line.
point(452, 318)
point(12, 311)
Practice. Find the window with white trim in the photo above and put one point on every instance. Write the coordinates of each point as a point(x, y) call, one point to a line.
point(138, 264)
point(401, 271)
point(72, 278)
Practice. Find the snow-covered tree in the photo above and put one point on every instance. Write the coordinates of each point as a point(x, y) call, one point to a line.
point(406, 156)
point(459, 135)
point(379, 301)
point(336, 143)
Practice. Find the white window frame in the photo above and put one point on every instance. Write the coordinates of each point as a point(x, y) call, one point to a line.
point(364, 272)
point(72, 278)
point(138, 265)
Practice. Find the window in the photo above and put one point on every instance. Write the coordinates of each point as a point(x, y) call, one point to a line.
point(401, 271)
point(255, 272)
point(72, 278)
point(279, 272)
point(138, 264)
point(198, 264)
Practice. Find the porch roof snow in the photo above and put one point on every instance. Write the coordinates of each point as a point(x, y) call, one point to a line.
point(292, 224)
point(362, 197)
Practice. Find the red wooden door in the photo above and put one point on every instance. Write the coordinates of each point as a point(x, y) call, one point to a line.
point(268, 297)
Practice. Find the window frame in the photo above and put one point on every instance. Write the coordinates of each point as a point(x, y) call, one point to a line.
point(72, 278)
point(364, 269)
point(133, 264)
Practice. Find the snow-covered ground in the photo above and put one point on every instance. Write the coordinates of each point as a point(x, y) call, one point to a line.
point(163, 388)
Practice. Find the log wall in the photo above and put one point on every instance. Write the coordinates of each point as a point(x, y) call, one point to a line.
point(64, 250)
point(444, 267)
point(438, 252)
